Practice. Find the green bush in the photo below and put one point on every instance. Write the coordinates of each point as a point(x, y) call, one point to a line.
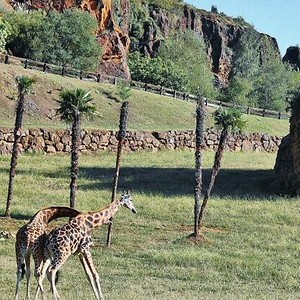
point(187, 51)
point(259, 77)
point(67, 38)
point(24, 29)
point(4, 33)
point(157, 71)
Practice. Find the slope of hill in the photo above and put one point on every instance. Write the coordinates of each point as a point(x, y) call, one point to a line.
point(147, 111)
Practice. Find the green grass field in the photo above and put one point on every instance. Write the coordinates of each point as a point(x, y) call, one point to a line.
point(251, 246)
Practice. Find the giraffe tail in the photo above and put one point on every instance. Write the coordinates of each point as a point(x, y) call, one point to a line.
point(57, 276)
point(23, 271)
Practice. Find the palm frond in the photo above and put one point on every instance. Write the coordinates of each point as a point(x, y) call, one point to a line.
point(75, 102)
point(24, 83)
point(230, 118)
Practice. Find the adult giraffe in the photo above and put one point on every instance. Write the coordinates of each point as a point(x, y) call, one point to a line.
point(76, 237)
point(30, 240)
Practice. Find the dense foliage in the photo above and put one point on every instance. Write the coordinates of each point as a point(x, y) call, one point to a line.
point(66, 38)
point(161, 3)
point(157, 71)
point(188, 51)
point(182, 64)
point(259, 77)
point(4, 33)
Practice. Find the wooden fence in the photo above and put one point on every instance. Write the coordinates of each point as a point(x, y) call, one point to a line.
point(96, 77)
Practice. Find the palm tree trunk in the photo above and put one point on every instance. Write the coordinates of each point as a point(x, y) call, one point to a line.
point(15, 151)
point(215, 170)
point(76, 126)
point(198, 163)
point(121, 138)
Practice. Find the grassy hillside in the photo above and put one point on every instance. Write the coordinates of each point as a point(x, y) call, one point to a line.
point(147, 111)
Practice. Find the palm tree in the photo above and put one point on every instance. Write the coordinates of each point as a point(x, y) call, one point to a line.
point(123, 92)
point(228, 120)
point(121, 137)
point(200, 114)
point(24, 84)
point(73, 105)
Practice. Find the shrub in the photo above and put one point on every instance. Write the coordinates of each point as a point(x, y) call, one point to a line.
point(67, 38)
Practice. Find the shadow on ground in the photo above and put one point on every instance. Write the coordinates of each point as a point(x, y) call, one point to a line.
point(235, 183)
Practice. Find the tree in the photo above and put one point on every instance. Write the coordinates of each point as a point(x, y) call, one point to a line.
point(121, 138)
point(24, 28)
point(67, 38)
point(200, 115)
point(4, 33)
point(73, 106)
point(24, 84)
point(123, 90)
point(259, 77)
point(228, 120)
point(187, 50)
point(157, 71)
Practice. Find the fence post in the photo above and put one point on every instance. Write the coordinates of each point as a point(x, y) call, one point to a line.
point(115, 81)
point(206, 102)
point(6, 59)
point(146, 87)
point(174, 94)
point(44, 67)
point(161, 90)
point(279, 115)
point(98, 78)
point(63, 71)
point(80, 75)
point(25, 64)
point(248, 110)
point(264, 113)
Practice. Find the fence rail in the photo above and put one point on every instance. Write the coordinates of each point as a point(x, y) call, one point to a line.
point(96, 77)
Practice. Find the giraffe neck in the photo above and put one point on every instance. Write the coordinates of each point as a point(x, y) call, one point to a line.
point(96, 219)
point(48, 214)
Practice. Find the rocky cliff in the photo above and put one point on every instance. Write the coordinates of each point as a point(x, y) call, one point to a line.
point(125, 24)
point(287, 165)
point(292, 57)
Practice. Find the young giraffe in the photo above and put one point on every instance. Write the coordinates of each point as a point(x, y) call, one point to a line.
point(76, 237)
point(30, 240)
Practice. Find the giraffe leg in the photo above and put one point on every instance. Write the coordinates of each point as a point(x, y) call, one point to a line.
point(92, 274)
point(28, 273)
point(40, 275)
point(19, 278)
point(52, 272)
point(52, 276)
point(89, 275)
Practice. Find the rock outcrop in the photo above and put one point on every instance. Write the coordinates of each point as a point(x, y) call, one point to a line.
point(287, 165)
point(221, 33)
point(292, 57)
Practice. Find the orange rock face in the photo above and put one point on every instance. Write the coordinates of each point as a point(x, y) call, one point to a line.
point(115, 40)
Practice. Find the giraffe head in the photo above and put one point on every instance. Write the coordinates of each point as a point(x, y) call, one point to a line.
point(126, 200)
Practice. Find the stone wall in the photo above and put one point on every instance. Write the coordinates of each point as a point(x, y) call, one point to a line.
point(55, 141)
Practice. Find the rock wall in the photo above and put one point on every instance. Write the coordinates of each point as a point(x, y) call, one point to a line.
point(50, 141)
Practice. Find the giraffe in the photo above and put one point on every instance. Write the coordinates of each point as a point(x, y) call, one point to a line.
point(30, 240)
point(75, 237)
